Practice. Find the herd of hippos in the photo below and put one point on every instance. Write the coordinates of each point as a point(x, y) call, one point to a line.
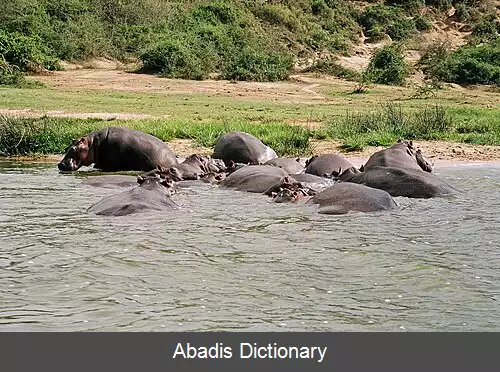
point(242, 162)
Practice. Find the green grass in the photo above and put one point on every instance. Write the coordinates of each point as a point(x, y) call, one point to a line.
point(45, 135)
point(379, 116)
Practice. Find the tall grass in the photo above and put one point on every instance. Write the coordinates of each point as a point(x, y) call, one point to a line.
point(45, 135)
point(386, 125)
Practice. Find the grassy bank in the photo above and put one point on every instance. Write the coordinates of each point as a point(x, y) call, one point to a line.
point(30, 136)
point(355, 129)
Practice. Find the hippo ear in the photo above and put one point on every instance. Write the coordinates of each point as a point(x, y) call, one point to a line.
point(140, 180)
point(362, 168)
point(286, 179)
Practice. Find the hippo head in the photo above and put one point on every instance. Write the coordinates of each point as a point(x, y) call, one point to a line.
point(151, 182)
point(288, 195)
point(309, 161)
point(217, 165)
point(77, 154)
point(173, 174)
point(346, 175)
point(425, 164)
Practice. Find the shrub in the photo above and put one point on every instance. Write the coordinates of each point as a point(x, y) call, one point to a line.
point(401, 29)
point(10, 75)
point(422, 23)
point(28, 53)
point(467, 65)
point(254, 65)
point(388, 66)
point(332, 67)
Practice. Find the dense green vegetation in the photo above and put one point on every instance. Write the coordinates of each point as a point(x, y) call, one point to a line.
point(236, 39)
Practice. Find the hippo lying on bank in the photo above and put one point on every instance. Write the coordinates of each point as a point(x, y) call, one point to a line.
point(152, 193)
point(412, 183)
point(399, 155)
point(241, 147)
point(325, 165)
point(290, 165)
point(118, 149)
point(347, 197)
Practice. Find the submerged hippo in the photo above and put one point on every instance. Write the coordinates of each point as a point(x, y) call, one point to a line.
point(111, 180)
point(327, 164)
point(241, 147)
point(290, 165)
point(192, 168)
point(412, 183)
point(347, 197)
point(152, 193)
point(399, 155)
point(313, 182)
point(118, 149)
point(254, 178)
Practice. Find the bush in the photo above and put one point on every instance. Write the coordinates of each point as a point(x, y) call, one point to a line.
point(388, 66)
point(408, 5)
point(174, 59)
point(401, 29)
point(10, 75)
point(27, 53)
point(258, 66)
point(332, 67)
point(488, 28)
point(422, 23)
point(468, 65)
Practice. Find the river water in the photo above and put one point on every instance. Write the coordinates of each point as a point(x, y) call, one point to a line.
point(230, 260)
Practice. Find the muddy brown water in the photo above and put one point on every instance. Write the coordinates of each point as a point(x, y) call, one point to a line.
point(230, 260)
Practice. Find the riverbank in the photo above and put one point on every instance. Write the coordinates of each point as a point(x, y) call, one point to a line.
point(305, 115)
point(440, 152)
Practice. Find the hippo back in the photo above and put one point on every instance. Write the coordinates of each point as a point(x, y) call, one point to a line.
point(254, 178)
point(349, 197)
point(289, 165)
point(241, 147)
point(118, 148)
point(324, 165)
point(412, 183)
point(399, 155)
point(141, 198)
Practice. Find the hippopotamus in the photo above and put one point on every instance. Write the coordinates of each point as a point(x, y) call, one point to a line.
point(290, 165)
point(111, 181)
point(399, 155)
point(152, 193)
point(327, 164)
point(347, 197)
point(313, 182)
point(118, 149)
point(192, 168)
point(242, 147)
point(288, 183)
point(254, 178)
point(214, 178)
point(289, 195)
point(412, 183)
